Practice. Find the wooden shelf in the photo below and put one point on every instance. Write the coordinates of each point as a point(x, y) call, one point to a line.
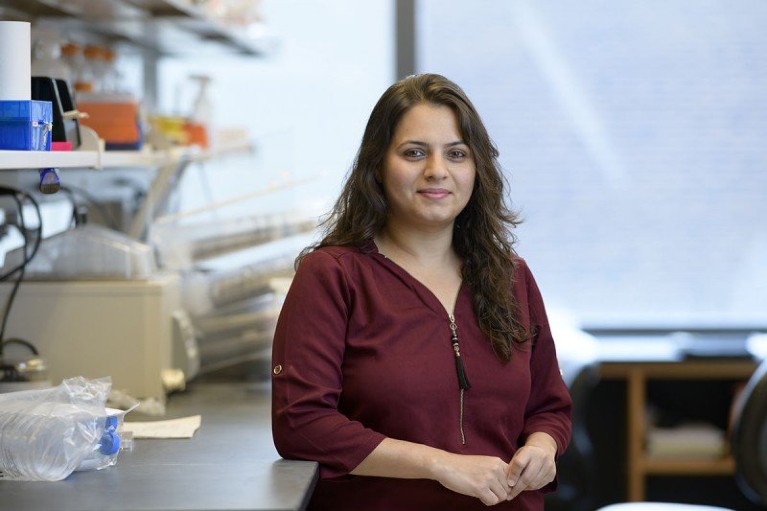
point(637, 375)
point(681, 370)
point(719, 466)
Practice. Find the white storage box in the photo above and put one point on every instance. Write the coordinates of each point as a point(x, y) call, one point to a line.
point(122, 329)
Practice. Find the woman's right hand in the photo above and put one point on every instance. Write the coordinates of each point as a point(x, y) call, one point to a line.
point(484, 477)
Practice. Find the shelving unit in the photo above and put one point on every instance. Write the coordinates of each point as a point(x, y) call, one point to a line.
point(151, 30)
point(163, 27)
point(169, 165)
point(156, 27)
point(195, 21)
point(637, 375)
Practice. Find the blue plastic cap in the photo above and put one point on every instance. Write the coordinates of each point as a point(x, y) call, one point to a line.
point(49, 180)
point(111, 422)
point(110, 443)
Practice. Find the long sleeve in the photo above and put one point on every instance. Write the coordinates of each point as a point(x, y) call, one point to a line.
point(549, 405)
point(307, 357)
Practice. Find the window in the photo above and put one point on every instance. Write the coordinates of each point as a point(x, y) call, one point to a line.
point(633, 135)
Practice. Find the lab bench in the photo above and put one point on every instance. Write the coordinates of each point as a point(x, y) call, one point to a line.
point(229, 464)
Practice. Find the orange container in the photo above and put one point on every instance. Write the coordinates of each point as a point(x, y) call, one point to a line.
point(198, 134)
point(117, 123)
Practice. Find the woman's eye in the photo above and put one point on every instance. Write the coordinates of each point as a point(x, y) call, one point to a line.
point(457, 154)
point(414, 153)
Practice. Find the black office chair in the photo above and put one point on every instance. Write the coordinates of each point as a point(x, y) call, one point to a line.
point(749, 448)
point(577, 355)
point(575, 468)
point(749, 437)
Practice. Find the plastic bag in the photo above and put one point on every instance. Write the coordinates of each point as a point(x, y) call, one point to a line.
point(46, 434)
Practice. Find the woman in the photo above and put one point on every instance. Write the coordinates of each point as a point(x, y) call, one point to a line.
point(412, 357)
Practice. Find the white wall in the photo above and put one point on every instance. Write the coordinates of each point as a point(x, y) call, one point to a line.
point(305, 104)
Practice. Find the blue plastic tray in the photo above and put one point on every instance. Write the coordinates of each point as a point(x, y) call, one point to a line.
point(26, 125)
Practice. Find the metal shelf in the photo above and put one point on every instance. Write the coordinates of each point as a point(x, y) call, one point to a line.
point(10, 160)
point(164, 27)
point(168, 164)
point(21, 160)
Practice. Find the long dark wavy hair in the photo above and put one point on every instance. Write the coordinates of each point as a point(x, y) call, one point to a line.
point(482, 236)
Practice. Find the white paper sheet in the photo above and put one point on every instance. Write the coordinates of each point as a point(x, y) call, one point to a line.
point(173, 428)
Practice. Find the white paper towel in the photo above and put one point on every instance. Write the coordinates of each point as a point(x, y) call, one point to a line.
point(15, 61)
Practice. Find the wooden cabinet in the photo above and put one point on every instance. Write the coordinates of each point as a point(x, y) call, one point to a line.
point(637, 375)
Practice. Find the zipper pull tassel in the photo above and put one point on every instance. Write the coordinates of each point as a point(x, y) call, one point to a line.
point(463, 380)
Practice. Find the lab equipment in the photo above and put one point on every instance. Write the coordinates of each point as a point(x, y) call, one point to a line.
point(87, 252)
point(23, 371)
point(124, 328)
point(179, 246)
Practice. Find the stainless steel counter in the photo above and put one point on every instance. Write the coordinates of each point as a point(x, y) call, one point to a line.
point(229, 464)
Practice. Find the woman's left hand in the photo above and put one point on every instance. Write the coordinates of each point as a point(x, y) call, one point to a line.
point(533, 465)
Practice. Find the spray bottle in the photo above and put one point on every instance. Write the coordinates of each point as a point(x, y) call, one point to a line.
point(201, 118)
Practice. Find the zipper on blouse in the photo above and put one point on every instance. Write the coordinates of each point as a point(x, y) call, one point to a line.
point(463, 380)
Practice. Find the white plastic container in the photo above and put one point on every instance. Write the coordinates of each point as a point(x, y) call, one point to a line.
point(87, 252)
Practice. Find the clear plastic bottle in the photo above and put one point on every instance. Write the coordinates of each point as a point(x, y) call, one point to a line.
point(72, 56)
point(46, 57)
point(88, 80)
point(112, 78)
point(45, 442)
point(202, 108)
point(200, 126)
point(95, 60)
point(104, 453)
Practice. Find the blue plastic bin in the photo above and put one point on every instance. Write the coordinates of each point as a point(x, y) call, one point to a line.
point(26, 125)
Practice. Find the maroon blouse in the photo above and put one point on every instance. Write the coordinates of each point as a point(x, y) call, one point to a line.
point(363, 351)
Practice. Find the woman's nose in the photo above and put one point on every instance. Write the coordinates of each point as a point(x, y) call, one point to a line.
point(436, 167)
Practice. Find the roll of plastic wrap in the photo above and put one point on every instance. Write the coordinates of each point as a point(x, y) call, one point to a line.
point(15, 61)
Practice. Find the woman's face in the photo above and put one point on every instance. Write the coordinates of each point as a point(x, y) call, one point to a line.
point(428, 172)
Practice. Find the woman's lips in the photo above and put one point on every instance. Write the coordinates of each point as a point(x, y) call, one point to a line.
point(434, 193)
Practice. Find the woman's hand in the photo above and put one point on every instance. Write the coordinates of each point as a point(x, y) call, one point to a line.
point(484, 477)
point(533, 465)
point(488, 478)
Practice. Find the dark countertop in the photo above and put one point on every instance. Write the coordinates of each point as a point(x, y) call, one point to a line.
point(230, 464)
